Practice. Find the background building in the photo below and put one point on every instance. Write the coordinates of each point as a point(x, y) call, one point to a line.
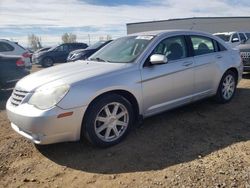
point(208, 24)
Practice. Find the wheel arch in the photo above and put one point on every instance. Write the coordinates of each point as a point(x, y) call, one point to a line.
point(124, 93)
point(48, 56)
point(233, 69)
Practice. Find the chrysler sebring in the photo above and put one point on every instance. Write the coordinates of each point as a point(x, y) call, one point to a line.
point(133, 77)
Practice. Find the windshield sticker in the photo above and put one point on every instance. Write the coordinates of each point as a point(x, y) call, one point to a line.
point(145, 37)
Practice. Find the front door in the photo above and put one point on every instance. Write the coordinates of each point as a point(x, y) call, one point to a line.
point(168, 85)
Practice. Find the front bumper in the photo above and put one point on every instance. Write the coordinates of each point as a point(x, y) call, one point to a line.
point(36, 60)
point(246, 68)
point(246, 61)
point(44, 126)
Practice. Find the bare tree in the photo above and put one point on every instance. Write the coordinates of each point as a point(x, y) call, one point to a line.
point(109, 37)
point(68, 37)
point(34, 41)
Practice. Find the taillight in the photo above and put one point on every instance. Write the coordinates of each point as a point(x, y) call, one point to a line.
point(26, 55)
point(20, 63)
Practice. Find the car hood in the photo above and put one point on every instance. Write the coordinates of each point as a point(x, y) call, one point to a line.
point(68, 73)
point(244, 47)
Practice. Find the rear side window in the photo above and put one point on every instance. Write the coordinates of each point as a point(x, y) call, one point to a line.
point(202, 45)
point(82, 46)
point(248, 35)
point(5, 47)
point(242, 37)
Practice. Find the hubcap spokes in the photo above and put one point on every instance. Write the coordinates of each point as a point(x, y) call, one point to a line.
point(228, 87)
point(111, 122)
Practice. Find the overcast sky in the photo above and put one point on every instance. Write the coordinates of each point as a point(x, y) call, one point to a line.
point(49, 19)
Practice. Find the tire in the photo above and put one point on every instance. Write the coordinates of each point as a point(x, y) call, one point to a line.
point(227, 87)
point(47, 62)
point(108, 120)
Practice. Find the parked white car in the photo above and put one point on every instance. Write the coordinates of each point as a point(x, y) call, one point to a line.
point(233, 38)
point(13, 48)
point(133, 77)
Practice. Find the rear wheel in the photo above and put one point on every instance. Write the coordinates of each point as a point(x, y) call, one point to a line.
point(47, 62)
point(227, 87)
point(108, 120)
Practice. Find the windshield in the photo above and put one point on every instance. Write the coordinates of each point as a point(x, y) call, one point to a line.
point(123, 50)
point(225, 37)
point(96, 45)
point(52, 48)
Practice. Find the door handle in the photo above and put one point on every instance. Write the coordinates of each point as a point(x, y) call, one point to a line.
point(186, 64)
point(218, 56)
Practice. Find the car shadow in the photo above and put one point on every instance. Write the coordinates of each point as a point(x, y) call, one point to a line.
point(170, 138)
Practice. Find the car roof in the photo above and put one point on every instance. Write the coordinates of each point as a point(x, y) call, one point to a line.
point(164, 32)
point(230, 32)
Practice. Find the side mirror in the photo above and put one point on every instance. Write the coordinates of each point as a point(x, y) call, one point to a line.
point(158, 59)
point(235, 40)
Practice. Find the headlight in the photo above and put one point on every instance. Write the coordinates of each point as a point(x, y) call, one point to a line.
point(76, 55)
point(45, 98)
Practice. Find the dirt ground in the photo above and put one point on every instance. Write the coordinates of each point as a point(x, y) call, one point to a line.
point(200, 145)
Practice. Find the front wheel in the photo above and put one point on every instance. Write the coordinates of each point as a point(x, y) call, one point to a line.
point(108, 120)
point(227, 87)
point(47, 62)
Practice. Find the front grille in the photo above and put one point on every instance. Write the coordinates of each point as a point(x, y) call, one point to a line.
point(245, 57)
point(17, 97)
point(245, 54)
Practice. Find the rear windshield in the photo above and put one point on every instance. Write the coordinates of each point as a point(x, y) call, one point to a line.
point(20, 45)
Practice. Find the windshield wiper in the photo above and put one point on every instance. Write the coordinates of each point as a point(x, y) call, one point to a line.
point(98, 59)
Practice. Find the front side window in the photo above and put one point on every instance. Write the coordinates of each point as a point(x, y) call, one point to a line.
point(235, 37)
point(59, 48)
point(123, 50)
point(202, 45)
point(5, 47)
point(242, 37)
point(173, 48)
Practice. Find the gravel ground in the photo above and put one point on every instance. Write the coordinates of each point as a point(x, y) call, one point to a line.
point(200, 145)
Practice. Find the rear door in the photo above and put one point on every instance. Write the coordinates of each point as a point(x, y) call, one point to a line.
point(205, 66)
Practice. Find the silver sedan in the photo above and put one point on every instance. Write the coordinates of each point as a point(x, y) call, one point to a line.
point(131, 78)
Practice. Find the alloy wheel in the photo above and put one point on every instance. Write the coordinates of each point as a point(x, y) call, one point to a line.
point(111, 122)
point(228, 87)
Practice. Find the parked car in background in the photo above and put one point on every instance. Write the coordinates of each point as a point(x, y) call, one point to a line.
point(83, 54)
point(12, 69)
point(13, 48)
point(245, 54)
point(37, 52)
point(56, 54)
point(233, 38)
point(42, 49)
point(133, 77)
